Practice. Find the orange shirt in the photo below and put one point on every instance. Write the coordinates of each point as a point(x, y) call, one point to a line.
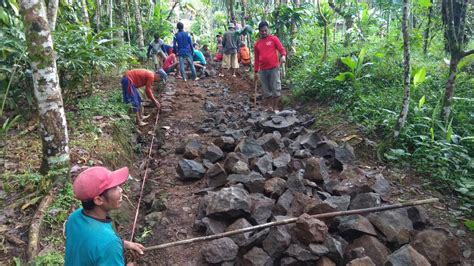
point(244, 55)
point(140, 78)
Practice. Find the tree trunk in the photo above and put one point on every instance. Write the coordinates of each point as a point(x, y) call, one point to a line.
point(110, 9)
point(98, 14)
point(85, 13)
point(52, 14)
point(406, 69)
point(53, 126)
point(449, 91)
point(127, 21)
point(427, 30)
point(138, 21)
point(325, 31)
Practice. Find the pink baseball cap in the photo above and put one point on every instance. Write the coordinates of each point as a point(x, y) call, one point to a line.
point(95, 180)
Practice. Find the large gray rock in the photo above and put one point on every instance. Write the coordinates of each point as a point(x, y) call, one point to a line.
point(300, 253)
point(373, 248)
point(213, 153)
point(309, 140)
point(325, 261)
point(299, 204)
point(229, 203)
point(255, 183)
point(438, 245)
point(225, 143)
point(236, 163)
point(418, 217)
point(345, 154)
point(283, 204)
point(365, 261)
point(264, 164)
point(239, 239)
point(318, 249)
point(318, 206)
point(269, 142)
point(262, 207)
point(289, 261)
point(279, 123)
point(216, 176)
point(213, 226)
point(192, 149)
point(281, 165)
point(295, 182)
point(382, 186)
point(342, 202)
point(365, 200)
point(394, 225)
point(220, 250)
point(190, 170)
point(274, 187)
point(336, 246)
point(277, 241)
point(406, 255)
point(250, 148)
point(310, 230)
point(315, 170)
point(257, 257)
point(353, 226)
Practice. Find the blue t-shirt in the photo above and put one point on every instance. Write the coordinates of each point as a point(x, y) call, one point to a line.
point(198, 56)
point(91, 241)
point(182, 44)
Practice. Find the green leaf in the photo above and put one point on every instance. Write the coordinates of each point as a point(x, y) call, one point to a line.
point(466, 60)
point(419, 76)
point(361, 58)
point(432, 133)
point(469, 225)
point(421, 102)
point(425, 3)
point(348, 62)
point(4, 16)
point(343, 76)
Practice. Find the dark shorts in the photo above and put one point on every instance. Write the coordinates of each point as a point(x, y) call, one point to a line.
point(271, 83)
point(133, 97)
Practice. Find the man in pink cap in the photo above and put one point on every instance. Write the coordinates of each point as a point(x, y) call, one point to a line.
point(90, 238)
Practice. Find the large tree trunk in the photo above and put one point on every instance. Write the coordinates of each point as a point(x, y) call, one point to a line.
point(427, 30)
point(127, 21)
point(52, 14)
point(85, 13)
point(325, 52)
point(98, 14)
point(138, 21)
point(449, 91)
point(53, 126)
point(406, 69)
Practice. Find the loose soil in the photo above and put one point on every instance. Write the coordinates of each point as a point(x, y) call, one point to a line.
point(181, 116)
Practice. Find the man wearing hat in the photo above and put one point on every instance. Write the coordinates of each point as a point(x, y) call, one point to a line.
point(134, 79)
point(231, 44)
point(90, 238)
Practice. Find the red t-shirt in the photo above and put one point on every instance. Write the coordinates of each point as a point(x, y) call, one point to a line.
point(265, 52)
point(140, 78)
point(168, 61)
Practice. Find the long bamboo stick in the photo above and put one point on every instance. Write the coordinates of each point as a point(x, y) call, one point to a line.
point(292, 220)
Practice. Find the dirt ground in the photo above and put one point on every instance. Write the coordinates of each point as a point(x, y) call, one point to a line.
point(181, 115)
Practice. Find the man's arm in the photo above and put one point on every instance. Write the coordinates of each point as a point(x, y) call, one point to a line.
point(191, 44)
point(175, 47)
point(280, 47)
point(149, 92)
point(149, 50)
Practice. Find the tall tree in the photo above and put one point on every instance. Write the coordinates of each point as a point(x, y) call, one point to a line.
point(454, 20)
point(428, 28)
point(402, 117)
point(98, 14)
point(85, 13)
point(52, 13)
point(325, 23)
point(138, 21)
point(46, 86)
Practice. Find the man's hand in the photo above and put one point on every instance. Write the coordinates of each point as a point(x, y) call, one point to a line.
point(283, 59)
point(157, 104)
point(134, 246)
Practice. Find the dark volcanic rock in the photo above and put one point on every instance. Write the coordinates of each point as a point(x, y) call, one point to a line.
point(257, 257)
point(365, 261)
point(213, 153)
point(283, 204)
point(216, 176)
point(438, 245)
point(225, 143)
point(353, 226)
point(336, 246)
point(394, 225)
point(309, 140)
point(240, 239)
point(372, 247)
point(277, 241)
point(300, 253)
point(406, 255)
point(213, 226)
point(220, 250)
point(342, 202)
point(250, 148)
point(325, 261)
point(192, 149)
point(418, 217)
point(315, 170)
point(310, 230)
point(228, 203)
point(264, 164)
point(365, 200)
point(274, 187)
point(269, 142)
point(262, 207)
point(236, 163)
point(190, 170)
point(279, 123)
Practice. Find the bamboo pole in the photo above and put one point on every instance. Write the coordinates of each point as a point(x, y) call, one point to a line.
point(292, 220)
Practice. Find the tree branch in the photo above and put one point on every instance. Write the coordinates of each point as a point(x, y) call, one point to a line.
point(467, 53)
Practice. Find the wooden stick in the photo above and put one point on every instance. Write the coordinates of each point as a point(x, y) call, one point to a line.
point(34, 233)
point(292, 220)
point(255, 93)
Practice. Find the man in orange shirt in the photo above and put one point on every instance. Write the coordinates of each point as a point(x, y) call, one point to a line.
point(244, 54)
point(131, 81)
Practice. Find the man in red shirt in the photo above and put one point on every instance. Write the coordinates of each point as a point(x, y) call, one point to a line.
point(267, 65)
point(171, 62)
point(131, 81)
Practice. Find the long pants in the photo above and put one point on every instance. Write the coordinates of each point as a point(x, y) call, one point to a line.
point(188, 58)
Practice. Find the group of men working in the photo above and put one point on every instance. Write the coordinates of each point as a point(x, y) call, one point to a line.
point(90, 237)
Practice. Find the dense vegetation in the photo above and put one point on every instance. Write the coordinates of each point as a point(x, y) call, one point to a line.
point(346, 56)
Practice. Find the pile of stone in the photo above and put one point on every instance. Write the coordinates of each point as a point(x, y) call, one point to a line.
point(267, 167)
